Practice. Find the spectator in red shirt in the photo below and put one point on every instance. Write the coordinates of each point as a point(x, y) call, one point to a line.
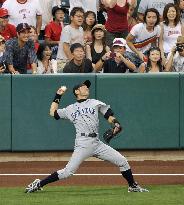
point(117, 23)
point(54, 28)
point(6, 30)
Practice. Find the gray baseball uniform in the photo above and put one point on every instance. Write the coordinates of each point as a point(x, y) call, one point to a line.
point(84, 116)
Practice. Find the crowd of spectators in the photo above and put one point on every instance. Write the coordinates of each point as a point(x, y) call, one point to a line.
point(85, 36)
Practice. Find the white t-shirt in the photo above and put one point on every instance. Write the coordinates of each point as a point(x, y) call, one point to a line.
point(52, 68)
point(75, 3)
point(143, 38)
point(87, 5)
point(170, 37)
point(157, 4)
point(55, 2)
point(69, 35)
point(178, 62)
point(23, 13)
point(91, 5)
point(46, 6)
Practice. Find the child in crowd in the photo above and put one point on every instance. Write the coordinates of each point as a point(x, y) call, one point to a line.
point(154, 63)
point(98, 48)
point(89, 22)
point(45, 64)
point(54, 29)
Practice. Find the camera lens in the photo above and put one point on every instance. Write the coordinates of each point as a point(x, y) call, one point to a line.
point(180, 48)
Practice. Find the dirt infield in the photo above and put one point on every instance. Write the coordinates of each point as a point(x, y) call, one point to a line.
point(92, 167)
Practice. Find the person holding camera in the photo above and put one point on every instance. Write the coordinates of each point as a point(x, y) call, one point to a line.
point(175, 59)
point(115, 61)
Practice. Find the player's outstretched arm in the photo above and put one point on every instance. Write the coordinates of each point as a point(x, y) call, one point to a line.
point(57, 98)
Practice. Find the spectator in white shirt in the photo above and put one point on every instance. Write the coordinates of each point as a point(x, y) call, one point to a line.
point(142, 36)
point(72, 33)
point(24, 11)
point(171, 28)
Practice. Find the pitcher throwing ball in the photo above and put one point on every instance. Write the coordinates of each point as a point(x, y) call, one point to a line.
point(84, 115)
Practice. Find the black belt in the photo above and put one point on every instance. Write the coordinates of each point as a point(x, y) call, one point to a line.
point(89, 135)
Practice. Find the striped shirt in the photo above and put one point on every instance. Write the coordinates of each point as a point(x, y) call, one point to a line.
point(143, 38)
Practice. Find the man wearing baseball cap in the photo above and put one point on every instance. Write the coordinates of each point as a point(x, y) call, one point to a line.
point(84, 115)
point(7, 30)
point(20, 51)
point(115, 61)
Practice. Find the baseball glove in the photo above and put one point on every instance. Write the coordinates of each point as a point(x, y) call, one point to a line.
point(111, 133)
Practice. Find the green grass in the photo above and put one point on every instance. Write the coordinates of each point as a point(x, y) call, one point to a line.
point(104, 195)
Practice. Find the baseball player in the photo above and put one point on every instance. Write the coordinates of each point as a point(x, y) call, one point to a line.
point(84, 115)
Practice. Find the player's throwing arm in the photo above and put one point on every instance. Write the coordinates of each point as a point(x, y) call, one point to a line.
point(55, 103)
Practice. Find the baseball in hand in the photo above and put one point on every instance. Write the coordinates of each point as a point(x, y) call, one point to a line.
point(63, 88)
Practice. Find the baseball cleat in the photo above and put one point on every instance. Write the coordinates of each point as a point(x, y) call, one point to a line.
point(34, 186)
point(136, 188)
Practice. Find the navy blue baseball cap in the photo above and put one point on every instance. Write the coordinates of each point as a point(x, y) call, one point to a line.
point(76, 87)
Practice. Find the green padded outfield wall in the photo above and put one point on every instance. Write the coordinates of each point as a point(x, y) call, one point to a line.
point(5, 112)
point(32, 127)
point(147, 105)
point(182, 110)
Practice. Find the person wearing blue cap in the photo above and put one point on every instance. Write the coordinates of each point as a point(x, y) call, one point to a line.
point(21, 51)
